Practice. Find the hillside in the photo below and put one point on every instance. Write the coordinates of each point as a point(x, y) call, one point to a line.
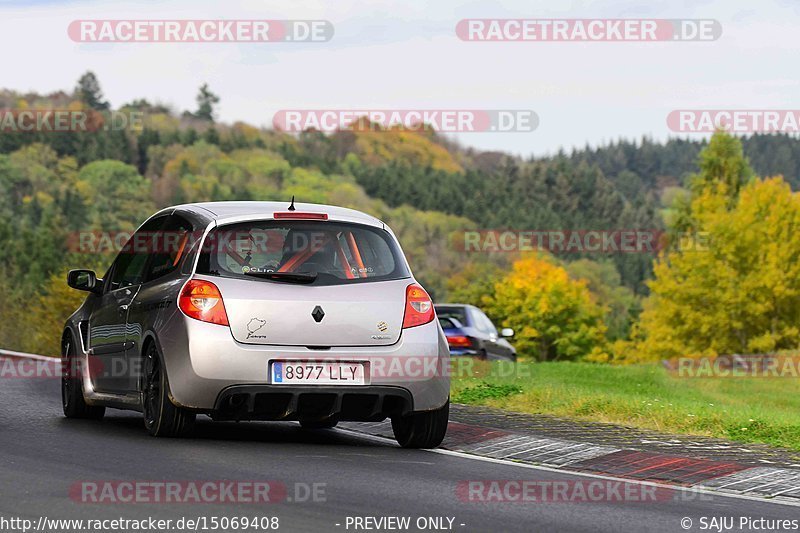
point(53, 186)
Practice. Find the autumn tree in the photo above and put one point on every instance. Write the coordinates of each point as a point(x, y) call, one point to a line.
point(474, 284)
point(726, 283)
point(554, 316)
point(620, 302)
point(723, 169)
point(734, 287)
point(49, 311)
point(117, 196)
point(722, 163)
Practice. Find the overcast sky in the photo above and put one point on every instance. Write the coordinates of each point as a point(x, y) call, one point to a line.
point(405, 54)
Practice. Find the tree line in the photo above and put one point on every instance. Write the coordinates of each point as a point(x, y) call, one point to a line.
point(430, 190)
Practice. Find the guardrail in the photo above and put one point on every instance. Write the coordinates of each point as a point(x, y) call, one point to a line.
point(11, 353)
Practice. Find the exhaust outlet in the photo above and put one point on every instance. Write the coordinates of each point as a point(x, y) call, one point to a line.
point(236, 401)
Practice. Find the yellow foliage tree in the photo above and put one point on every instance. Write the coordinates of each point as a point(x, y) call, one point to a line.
point(555, 317)
point(49, 311)
point(375, 146)
point(739, 290)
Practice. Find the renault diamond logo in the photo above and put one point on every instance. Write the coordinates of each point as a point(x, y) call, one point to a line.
point(383, 326)
point(318, 314)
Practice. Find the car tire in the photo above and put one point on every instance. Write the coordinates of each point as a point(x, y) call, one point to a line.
point(161, 417)
point(72, 400)
point(425, 429)
point(328, 423)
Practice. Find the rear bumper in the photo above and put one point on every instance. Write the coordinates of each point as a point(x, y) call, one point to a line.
point(205, 363)
point(312, 403)
point(466, 352)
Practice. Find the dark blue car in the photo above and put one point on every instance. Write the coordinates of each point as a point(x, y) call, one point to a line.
point(469, 332)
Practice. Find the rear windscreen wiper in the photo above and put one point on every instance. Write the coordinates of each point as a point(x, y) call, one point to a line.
point(291, 277)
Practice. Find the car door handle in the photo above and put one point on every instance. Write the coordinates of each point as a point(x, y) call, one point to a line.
point(107, 349)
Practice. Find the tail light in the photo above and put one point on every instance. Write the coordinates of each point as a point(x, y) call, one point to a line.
point(459, 341)
point(419, 308)
point(202, 300)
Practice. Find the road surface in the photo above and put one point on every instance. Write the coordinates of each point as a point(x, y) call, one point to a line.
point(45, 457)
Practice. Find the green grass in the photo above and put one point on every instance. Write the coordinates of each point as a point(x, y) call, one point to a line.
point(763, 410)
point(484, 391)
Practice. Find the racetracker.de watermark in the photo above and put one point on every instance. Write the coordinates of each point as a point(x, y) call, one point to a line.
point(200, 31)
point(577, 241)
point(734, 120)
point(736, 366)
point(377, 368)
point(23, 368)
point(114, 492)
point(470, 241)
point(588, 30)
point(254, 241)
point(68, 121)
point(569, 491)
point(441, 120)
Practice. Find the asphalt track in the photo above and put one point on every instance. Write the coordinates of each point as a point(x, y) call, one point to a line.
point(44, 457)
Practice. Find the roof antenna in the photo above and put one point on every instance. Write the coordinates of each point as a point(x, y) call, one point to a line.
point(291, 207)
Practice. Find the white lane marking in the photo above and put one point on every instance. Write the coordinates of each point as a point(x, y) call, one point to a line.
point(774, 482)
point(792, 489)
point(677, 488)
point(523, 452)
point(693, 489)
point(539, 444)
point(463, 455)
point(588, 447)
point(506, 441)
point(9, 353)
point(726, 485)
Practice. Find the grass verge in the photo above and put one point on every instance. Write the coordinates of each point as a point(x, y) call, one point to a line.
point(765, 410)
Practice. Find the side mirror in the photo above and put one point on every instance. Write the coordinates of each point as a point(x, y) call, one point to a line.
point(507, 333)
point(84, 280)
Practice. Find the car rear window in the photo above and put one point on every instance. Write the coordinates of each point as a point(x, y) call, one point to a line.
point(449, 323)
point(337, 252)
point(458, 313)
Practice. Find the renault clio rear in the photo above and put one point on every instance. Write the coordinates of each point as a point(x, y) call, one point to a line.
point(259, 311)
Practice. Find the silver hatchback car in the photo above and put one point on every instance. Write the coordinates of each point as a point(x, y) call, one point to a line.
point(259, 311)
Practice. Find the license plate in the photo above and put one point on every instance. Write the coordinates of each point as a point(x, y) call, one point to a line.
point(286, 373)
